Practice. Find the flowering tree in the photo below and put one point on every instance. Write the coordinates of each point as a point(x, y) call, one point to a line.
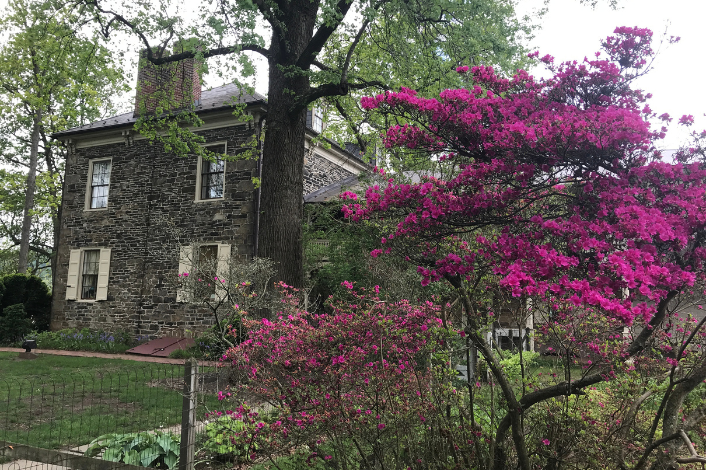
point(557, 195)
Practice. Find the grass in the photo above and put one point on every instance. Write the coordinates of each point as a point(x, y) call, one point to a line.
point(65, 402)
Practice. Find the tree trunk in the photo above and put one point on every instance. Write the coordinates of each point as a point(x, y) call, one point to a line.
point(29, 195)
point(282, 204)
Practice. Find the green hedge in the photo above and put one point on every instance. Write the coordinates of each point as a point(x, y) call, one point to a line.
point(14, 324)
point(32, 293)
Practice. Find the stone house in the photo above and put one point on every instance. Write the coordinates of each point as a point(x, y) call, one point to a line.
point(121, 193)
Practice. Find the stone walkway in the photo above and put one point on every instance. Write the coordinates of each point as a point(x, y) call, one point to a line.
point(127, 357)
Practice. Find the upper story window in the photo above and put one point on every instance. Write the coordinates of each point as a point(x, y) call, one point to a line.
point(317, 120)
point(211, 175)
point(98, 184)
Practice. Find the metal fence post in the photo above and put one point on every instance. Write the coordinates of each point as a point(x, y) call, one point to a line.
point(188, 415)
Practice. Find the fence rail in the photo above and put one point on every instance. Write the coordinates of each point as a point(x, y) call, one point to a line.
point(48, 421)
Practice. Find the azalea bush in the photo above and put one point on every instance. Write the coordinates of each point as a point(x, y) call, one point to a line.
point(554, 212)
point(369, 382)
point(554, 193)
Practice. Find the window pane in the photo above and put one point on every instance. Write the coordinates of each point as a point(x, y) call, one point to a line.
point(89, 274)
point(208, 264)
point(100, 181)
point(101, 173)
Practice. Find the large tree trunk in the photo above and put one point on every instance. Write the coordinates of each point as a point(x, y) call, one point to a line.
point(29, 195)
point(282, 204)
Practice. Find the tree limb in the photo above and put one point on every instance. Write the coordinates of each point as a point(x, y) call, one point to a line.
point(116, 17)
point(322, 35)
point(332, 89)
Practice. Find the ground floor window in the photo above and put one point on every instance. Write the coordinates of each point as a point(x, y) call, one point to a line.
point(89, 274)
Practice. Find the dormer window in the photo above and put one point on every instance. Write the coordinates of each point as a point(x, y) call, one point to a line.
point(211, 175)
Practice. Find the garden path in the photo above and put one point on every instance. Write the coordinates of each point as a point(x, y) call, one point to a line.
point(127, 357)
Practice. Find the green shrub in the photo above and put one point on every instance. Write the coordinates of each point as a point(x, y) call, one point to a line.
point(225, 440)
point(146, 449)
point(193, 351)
point(14, 324)
point(31, 292)
point(86, 340)
point(212, 346)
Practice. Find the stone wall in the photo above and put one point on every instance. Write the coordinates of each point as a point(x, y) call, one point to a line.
point(320, 172)
point(149, 192)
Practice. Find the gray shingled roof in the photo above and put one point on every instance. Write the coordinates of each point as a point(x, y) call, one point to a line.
point(216, 98)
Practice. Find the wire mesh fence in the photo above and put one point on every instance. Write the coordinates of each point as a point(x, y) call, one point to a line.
point(145, 416)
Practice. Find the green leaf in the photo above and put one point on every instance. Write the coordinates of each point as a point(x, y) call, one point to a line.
point(132, 458)
point(165, 442)
point(150, 454)
point(171, 460)
point(113, 455)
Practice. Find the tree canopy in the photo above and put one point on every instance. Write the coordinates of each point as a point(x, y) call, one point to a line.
point(316, 49)
point(54, 74)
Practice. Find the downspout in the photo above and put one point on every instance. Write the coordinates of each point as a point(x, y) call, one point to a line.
point(258, 130)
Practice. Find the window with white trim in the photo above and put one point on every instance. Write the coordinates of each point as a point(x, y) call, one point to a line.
point(88, 274)
point(210, 179)
point(98, 184)
point(317, 119)
point(203, 268)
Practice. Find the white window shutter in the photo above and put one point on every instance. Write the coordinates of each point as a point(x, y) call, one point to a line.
point(72, 279)
point(222, 270)
point(186, 254)
point(103, 274)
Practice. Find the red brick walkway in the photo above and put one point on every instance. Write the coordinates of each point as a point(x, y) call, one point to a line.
point(127, 357)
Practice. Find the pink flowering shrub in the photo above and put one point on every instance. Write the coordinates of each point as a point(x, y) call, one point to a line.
point(368, 383)
point(554, 195)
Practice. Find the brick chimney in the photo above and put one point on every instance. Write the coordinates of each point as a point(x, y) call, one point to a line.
point(171, 86)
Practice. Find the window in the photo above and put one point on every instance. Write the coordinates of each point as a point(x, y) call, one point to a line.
point(203, 263)
point(211, 175)
point(88, 274)
point(317, 120)
point(98, 184)
point(511, 339)
point(207, 263)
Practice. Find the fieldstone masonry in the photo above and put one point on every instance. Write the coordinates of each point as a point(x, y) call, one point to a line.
point(147, 188)
point(320, 172)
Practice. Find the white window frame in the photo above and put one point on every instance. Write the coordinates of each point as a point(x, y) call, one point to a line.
point(187, 258)
point(199, 178)
point(516, 333)
point(89, 184)
point(317, 119)
point(74, 280)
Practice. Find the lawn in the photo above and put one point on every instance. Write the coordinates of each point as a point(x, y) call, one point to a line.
point(64, 402)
